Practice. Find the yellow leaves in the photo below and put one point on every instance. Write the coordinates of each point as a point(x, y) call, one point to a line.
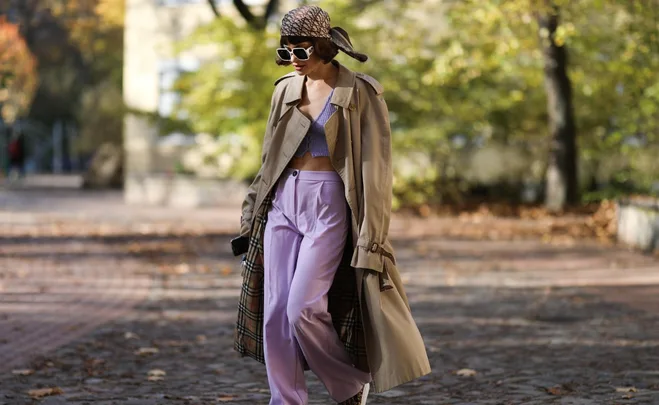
point(544, 33)
point(112, 12)
point(17, 72)
point(563, 33)
point(94, 26)
point(516, 95)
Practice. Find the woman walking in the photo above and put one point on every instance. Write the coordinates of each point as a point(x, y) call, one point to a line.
point(321, 290)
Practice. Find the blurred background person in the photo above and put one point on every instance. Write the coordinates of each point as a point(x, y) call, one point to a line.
point(16, 154)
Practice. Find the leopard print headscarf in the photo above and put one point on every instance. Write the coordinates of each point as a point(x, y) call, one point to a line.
point(314, 22)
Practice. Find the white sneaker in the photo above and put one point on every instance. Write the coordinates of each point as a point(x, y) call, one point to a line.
point(367, 388)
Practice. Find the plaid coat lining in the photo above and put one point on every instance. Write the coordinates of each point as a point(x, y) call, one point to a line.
point(343, 301)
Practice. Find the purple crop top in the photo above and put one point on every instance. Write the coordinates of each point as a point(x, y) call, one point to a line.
point(314, 141)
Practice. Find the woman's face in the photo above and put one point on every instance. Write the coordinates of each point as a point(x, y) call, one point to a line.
point(304, 67)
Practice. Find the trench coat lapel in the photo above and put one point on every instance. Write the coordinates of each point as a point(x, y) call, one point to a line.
point(342, 98)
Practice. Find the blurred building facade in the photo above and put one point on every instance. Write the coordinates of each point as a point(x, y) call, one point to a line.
point(152, 28)
point(151, 66)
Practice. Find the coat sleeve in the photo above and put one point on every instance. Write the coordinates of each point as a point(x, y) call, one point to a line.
point(250, 198)
point(377, 175)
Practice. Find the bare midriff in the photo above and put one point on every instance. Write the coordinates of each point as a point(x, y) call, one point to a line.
point(308, 162)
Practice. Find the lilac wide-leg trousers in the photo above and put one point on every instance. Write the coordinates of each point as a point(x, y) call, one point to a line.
point(303, 244)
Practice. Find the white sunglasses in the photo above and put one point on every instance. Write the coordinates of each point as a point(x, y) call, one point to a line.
point(286, 54)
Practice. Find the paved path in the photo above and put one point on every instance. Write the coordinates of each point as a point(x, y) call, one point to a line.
point(136, 306)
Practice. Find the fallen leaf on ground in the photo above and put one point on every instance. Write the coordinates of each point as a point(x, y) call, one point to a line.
point(146, 351)
point(173, 343)
point(466, 372)
point(557, 390)
point(130, 335)
point(26, 371)
point(182, 268)
point(626, 389)
point(44, 392)
point(201, 338)
point(425, 210)
point(156, 374)
point(226, 398)
point(226, 270)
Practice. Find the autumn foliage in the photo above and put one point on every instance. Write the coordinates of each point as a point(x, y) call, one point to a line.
point(18, 77)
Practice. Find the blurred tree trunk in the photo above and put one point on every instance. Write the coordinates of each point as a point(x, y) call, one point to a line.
point(561, 179)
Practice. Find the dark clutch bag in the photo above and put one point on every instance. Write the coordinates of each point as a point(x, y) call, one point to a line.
point(240, 245)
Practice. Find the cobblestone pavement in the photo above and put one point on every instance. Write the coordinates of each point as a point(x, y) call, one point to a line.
point(112, 305)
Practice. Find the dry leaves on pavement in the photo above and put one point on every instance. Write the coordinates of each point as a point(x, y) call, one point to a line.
point(466, 372)
point(504, 221)
point(156, 374)
point(559, 390)
point(45, 392)
point(147, 351)
point(23, 372)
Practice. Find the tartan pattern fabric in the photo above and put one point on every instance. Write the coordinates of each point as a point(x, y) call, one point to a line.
point(343, 301)
point(355, 400)
point(248, 339)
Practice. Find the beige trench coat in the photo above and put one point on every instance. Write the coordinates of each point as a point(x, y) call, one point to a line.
point(359, 141)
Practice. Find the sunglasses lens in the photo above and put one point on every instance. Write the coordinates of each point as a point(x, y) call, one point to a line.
point(300, 54)
point(283, 54)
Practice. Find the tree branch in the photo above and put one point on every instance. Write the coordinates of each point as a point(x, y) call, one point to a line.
point(213, 6)
point(246, 13)
point(270, 9)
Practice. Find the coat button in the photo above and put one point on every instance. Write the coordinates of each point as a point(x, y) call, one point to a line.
point(294, 173)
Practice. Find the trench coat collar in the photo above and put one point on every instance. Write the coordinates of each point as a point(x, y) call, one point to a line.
point(342, 95)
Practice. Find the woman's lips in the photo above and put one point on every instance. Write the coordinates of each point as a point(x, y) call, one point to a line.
point(298, 67)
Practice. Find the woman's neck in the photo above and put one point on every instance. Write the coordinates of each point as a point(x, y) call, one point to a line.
point(326, 73)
